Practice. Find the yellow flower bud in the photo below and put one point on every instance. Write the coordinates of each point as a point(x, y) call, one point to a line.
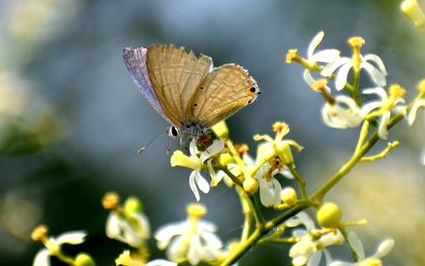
point(84, 259)
point(413, 10)
point(250, 185)
point(329, 215)
point(132, 205)
point(196, 210)
point(288, 196)
point(220, 130)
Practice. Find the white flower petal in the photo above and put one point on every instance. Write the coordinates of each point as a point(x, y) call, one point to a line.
point(306, 220)
point(367, 108)
point(299, 260)
point(378, 61)
point(341, 263)
point(207, 226)
point(195, 253)
point(341, 77)
point(112, 225)
point(166, 233)
point(177, 250)
point(412, 114)
point(216, 147)
point(383, 125)
point(193, 149)
point(315, 259)
point(377, 76)
point(161, 263)
point(211, 240)
point(277, 189)
point(384, 248)
point(317, 39)
point(331, 67)
point(42, 258)
point(266, 197)
point(73, 238)
point(202, 182)
point(326, 56)
point(145, 230)
point(192, 184)
point(308, 78)
point(378, 91)
point(356, 244)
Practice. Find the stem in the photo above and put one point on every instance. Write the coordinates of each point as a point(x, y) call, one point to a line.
point(300, 181)
point(332, 181)
point(260, 232)
point(353, 252)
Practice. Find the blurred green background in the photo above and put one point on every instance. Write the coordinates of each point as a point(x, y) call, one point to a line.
point(71, 118)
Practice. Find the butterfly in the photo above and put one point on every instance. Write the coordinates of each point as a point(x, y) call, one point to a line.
point(186, 90)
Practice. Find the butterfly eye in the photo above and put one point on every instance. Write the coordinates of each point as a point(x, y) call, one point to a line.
point(253, 91)
point(173, 131)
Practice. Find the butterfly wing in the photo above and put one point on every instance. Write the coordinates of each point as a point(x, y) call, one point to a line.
point(223, 92)
point(175, 76)
point(135, 61)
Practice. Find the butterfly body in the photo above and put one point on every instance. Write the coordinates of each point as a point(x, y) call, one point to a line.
point(186, 90)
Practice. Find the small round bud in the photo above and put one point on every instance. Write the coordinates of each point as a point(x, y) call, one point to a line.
point(196, 210)
point(40, 233)
point(110, 201)
point(84, 259)
point(329, 215)
point(288, 196)
point(250, 185)
point(132, 205)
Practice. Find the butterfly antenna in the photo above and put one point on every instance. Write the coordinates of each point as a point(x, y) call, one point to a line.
point(143, 148)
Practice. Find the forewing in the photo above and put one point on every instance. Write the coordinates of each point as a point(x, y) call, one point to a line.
point(223, 92)
point(135, 61)
point(175, 76)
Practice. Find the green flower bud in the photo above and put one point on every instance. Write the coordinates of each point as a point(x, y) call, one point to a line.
point(132, 205)
point(329, 215)
point(84, 259)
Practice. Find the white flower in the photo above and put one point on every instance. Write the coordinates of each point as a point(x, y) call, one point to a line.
point(344, 113)
point(196, 162)
point(193, 240)
point(134, 234)
point(383, 249)
point(386, 105)
point(270, 188)
point(323, 56)
point(53, 246)
point(312, 242)
point(376, 71)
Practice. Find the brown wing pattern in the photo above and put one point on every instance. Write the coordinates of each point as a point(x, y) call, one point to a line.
point(175, 76)
point(222, 93)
